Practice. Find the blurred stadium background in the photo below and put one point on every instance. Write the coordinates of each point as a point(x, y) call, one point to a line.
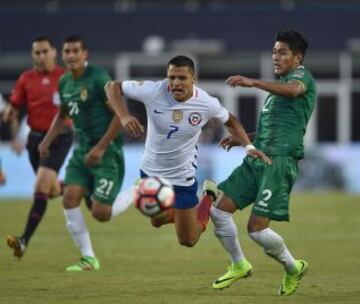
point(135, 38)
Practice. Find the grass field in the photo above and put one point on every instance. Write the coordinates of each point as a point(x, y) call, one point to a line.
point(141, 264)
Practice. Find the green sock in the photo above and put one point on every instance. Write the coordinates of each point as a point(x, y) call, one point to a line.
point(241, 263)
point(295, 270)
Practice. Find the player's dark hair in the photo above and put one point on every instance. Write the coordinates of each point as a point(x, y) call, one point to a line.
point(41, 38)
point(76, 38)
point(294, 39)
point(181, 61)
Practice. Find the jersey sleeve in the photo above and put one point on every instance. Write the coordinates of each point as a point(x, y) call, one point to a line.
point(218, 111)
point(143, 91)
point(302, 76)
point(18, 95)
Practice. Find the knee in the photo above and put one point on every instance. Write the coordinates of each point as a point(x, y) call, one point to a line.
point(43, 187)
point(70, 201)
point(160, 220)
point(55, 192)
point(256, 224)
point(101, 216)
point(101, 212)
point(156, 223)
point(187, 243)
point(252, 227)
point(188, 240)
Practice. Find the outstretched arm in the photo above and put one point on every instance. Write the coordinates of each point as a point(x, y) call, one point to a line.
point(237, 130)
point(290, 89)
point(239, 137)
point(116, 102)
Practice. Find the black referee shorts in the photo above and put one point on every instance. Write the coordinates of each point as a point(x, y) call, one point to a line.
point(59, 148)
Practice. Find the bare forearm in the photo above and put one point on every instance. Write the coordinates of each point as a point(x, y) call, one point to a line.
point(237, 130)
point(11, 116)
point(14, 128)
point(56, 127)
point(129, 122)
point(114, 95)
point(111, 133)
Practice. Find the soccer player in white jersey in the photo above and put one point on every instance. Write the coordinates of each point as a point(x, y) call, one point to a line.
point(176, 111)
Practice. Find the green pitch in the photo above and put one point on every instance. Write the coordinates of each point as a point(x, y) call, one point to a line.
point(141, 264)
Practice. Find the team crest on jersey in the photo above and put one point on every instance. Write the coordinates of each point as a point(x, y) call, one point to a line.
point(177, 115)
point(195, 118)
point(84, 94)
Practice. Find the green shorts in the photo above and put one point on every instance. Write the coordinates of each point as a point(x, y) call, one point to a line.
point(267, 186)
point(102, 181)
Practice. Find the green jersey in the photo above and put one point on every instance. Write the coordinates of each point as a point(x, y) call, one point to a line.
point(85, 100)
point(283, 121)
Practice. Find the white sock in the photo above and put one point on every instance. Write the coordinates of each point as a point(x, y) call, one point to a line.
point(274, 246)
point(226, 231)
point(122, 202)
point(79, 232)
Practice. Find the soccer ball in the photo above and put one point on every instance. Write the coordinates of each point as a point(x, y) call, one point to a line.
point(154, 195)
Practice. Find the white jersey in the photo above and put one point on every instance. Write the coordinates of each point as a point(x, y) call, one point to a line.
point(173, 128)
